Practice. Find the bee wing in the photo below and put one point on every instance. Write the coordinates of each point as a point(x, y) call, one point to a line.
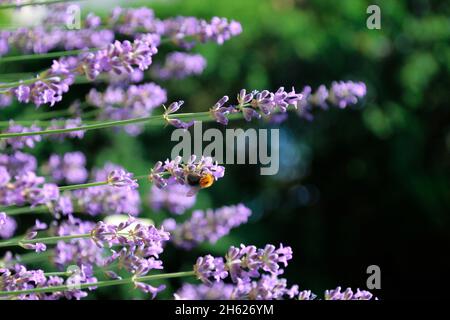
point(192, 192)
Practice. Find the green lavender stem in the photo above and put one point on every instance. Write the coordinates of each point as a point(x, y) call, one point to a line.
point(45, 209)
point(33, 3)
point(27, 57)
point(46, 240)
point(57, 54)
point(100, 284)
point(16, 211)
point(31, 257)
point(204, 116)
point(91, 184)
point(83, 185)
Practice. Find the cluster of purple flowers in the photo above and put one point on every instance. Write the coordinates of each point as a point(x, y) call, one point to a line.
point(52, 33)
point(80, 251)
point(218, 30)
point(118, 57)
point(215, 291)
point(161, 172)
point(7, 226)
point(66, 124)
point(120, 196)
point(341, 94)
point(22, 142)
point(26, 188)
point(348, 294)
point(17, 163)
point(243, 263)
point(71, 167)
point(174, 197)
point(180, 65)
point(225, 291)
point(256, 104)
point(117, 103)
point(254, 271)
point(141, 247)
point(30, 141)
point(209, 225)
point(273, 105)
point(19, 278)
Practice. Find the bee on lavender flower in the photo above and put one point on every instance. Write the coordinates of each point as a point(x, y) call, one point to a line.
point(198, 181)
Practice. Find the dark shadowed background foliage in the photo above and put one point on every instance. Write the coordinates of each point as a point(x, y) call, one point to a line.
point(367, 185)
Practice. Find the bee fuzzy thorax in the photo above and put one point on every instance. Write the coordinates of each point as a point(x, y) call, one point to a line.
point(206, 180)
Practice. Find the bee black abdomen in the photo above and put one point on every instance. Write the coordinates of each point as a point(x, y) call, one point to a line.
point(193, 179)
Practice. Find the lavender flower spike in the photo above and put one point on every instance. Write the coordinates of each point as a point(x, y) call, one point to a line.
point(243, 264)
point(122, 178)
point(173, 197)
point(209, 225)
point(180, 65)
point(173, 107)
point(7, 226)
point(70, 167)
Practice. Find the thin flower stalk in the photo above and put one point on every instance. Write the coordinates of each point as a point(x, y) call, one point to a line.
point(100, 284)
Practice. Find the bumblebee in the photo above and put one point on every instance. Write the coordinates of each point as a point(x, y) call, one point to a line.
point(197, 182)
point(201, 181)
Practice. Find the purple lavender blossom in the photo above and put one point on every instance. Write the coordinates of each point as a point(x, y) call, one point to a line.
point(80, 251)
point(7, 226)
point(5, 99)
point(347, 93)
point(121, 178)
point(62, 206)
point(243, 264)
point(348, 294)
point(177, 123)
point(119, 57)
point(4, 176)
point(209, 225)
point(18, 163)
point(141, 245)
point(19, 278)
point(184, 31)
point(66, 124)
point(25, 141)
point(306, 295)
point(136, 101)
point(130, 21)
point(173, 197)
point(272, 105)
point(268, 287)
point(342, 94)
point(70, 167)
point(216, 291)
point(27, 188)
point(107, 200)
point(180, 65)
point(51, 33)
point(219, 112)
point(217, 30)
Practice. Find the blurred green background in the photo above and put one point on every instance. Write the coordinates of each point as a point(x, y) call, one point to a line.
point(367, 185)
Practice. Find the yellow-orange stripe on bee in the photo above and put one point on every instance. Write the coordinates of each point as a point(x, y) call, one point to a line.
point(206, 181)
